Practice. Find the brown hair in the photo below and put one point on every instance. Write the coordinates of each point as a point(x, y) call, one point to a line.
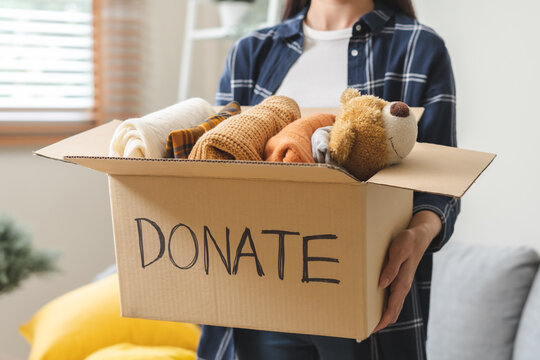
point(293, 7)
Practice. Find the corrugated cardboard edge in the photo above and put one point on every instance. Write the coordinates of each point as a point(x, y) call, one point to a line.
point(92, 142)
point(390, 212)
point(480, 173)
point(226, 169)
point(245, 162)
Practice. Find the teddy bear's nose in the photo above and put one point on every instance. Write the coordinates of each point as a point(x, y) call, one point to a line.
point(399, 109)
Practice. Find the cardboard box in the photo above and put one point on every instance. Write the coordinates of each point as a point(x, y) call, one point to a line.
point(284, 247)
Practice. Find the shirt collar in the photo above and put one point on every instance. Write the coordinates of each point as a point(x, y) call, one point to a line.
point(292, 26)
point(375, 20)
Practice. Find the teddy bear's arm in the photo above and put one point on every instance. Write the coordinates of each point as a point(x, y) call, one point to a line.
point(341, 142)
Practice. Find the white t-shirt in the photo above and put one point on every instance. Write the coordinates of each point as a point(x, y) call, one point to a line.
point(319, 76)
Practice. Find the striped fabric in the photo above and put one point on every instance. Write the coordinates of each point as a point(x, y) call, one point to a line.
point(396, 58)
point(181, 142)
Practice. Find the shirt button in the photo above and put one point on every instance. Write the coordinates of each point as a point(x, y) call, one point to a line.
point(358, 27)
point(354, 52)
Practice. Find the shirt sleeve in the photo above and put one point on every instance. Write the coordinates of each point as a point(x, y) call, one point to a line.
point(224, 94)
point(438, 126)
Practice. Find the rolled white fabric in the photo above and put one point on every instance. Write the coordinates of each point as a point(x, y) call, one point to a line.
point(146, 137)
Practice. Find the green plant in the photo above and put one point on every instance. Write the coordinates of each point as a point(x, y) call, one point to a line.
point(18, 259)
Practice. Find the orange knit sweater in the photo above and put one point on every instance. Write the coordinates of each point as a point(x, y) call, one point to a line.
point(293, 143)
point(243, 136)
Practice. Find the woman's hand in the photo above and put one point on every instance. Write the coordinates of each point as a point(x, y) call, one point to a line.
point(404, 255)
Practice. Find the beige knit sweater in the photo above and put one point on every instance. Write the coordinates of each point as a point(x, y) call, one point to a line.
point(244, 136)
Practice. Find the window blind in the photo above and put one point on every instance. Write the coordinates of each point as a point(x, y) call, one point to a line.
point(46, 61)
point(118, 57)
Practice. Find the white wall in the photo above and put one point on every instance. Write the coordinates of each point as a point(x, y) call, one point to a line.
point(495, 54)
point(66, 207)
point(162, 54)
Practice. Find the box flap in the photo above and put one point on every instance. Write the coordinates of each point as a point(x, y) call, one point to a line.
point(318, 173)
point(436, 169)
point(418, 112)
point(93, 142)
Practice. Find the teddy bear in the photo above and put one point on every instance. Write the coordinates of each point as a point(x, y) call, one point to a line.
point(370, 133)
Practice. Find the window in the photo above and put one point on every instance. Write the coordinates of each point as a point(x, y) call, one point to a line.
point(65, 66)
point(46, 67)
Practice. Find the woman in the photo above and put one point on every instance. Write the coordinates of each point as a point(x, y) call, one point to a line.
point(378, 47)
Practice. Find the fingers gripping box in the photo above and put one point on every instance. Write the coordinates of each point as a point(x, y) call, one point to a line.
point(271, 246)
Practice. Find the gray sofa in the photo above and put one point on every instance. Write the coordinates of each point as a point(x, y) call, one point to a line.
point(485, 304)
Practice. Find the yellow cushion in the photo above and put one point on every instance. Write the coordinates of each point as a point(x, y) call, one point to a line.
point(88, 319)
point(135, 352)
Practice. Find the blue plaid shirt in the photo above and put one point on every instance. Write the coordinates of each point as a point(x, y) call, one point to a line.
point(391, 56)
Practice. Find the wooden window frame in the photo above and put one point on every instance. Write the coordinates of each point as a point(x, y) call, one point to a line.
point(41, 133)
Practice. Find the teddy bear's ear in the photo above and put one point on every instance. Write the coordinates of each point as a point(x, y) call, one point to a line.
point(348, 94)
